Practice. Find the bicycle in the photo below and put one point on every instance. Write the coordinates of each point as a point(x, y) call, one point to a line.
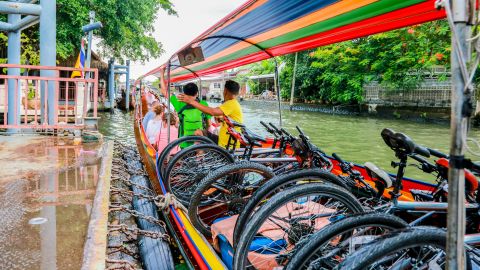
point(403, 147)
point(414, 248)
point(182, 179)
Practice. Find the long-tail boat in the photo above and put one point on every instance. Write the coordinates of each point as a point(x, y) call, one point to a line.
point(258, 30)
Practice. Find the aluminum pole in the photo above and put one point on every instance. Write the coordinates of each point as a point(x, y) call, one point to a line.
point(48, 55)
point(292, 93)
point(459, 126)
point(16, 7)
point(111, 74)
point(89, 47)
point(14, 44)
point(127, 86)
point(168, 101)
point(277, 89)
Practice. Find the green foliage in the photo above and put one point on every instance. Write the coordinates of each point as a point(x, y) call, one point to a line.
point(127, 29)
point(397, 59)
point(127, 26)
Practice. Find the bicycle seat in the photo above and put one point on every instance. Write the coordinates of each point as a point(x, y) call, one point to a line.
point(232, 123)
point(378, 174)
point(252, 135)
point(400, 142)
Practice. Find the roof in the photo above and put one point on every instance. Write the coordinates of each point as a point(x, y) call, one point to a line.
point(277, 27)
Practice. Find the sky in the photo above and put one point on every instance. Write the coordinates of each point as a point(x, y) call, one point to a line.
point(194, 17)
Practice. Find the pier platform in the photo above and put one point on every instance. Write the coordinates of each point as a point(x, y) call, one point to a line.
point(53, 202)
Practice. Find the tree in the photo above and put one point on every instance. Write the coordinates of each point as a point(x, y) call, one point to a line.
point(126, 33)
point(127, 26)
point(398, 59)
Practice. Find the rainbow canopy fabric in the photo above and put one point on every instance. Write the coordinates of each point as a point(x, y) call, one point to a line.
point(286, 26)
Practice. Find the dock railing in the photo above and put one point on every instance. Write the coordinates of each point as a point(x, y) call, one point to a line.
point(37, 102)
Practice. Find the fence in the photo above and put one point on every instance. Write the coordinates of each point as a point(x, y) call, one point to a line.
point(431, 93)
point(40, 102)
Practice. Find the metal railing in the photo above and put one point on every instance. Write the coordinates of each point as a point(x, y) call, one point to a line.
point(46, 103)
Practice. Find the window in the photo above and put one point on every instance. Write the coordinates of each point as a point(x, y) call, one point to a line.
point(216, 85)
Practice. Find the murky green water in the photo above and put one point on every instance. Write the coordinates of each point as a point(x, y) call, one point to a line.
point(354, 138)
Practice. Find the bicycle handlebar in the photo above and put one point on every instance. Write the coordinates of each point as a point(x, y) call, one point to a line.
point(338, 158)
point(275, 128)
point(300, 131)
point(269, 129)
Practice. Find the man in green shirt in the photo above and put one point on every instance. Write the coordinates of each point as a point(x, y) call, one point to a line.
point(191, 119)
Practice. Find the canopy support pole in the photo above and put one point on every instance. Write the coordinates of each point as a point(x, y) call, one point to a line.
point(168, 100)
point(459, 126)
point(277, 89)
point(292, 93)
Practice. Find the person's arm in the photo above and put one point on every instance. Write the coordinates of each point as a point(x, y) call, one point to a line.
point(208, 110)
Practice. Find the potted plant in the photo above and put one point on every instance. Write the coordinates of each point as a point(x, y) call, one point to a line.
point(30, 101)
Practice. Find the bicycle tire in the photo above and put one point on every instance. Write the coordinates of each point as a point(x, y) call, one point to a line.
point(212, 177)
point(273, 185)
point(223, 154)
point(312, 248)
point(161, 164)
point(413, 237)
point(278, 200)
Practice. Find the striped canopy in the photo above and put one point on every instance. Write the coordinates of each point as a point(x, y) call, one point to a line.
point(260, 29)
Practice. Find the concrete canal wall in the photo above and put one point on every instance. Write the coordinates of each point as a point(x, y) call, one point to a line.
point(405, 111)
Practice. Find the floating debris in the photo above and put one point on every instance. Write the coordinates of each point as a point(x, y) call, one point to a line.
point(37, 221)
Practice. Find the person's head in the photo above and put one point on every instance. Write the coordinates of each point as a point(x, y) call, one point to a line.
point(173, 118)
point(154, 103)
point(158, 109)
point(190, 89)
point(231, 90)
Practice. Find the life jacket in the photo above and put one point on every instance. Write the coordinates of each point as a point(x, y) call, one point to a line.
point(187, 124)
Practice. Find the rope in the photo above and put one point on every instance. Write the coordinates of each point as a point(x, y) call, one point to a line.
point(164, 201)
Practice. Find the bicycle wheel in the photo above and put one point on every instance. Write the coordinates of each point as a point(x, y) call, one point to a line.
point(416, 248)
point(224, 192)
point(165, 155)
point(189, 166)
point(331, 245)
point(274, 186)
point(288, 219)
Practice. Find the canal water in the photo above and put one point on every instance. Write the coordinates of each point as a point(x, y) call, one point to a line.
point(354, 138)
point(47, 187)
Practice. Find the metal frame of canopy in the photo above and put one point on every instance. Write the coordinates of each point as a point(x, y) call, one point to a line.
point(461, 15)
point(276, 80)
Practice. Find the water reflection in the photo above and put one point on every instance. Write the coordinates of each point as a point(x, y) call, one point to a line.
point(61, 196)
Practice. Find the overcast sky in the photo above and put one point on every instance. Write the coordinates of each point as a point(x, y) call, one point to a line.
point(194, 17)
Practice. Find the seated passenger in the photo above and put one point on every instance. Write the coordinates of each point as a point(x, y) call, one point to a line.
point(230, 108)
point(149, 115)
point(154, 125)
point(163, 136)
point(191, 118)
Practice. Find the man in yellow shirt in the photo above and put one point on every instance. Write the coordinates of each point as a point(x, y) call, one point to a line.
point(230, 108)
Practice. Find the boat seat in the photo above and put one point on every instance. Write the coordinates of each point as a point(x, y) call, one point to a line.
point(400, 142)
point(378, 174)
